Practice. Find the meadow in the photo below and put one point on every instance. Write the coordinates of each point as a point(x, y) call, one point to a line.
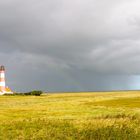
point(71, 116)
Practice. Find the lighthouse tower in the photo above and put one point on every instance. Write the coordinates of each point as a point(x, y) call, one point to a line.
point(3, 88)
point(2, 79)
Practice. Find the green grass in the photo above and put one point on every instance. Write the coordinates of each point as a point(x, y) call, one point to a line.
point(71, 116)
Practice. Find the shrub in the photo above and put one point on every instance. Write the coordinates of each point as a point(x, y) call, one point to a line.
point(36, 92)
point(18, 93)
point(7, 94)
point(27, 93)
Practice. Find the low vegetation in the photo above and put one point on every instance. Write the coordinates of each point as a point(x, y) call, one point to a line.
point(71, 116)
point(34, 93)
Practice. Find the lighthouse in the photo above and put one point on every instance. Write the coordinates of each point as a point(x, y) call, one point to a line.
point(3, 88)
point(2, 78)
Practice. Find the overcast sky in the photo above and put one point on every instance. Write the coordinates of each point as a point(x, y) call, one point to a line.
point(70, 45)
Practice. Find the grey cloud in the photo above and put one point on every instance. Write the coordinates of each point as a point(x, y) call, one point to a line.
point(70, 42)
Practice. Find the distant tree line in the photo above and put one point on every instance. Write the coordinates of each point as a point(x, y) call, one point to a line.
point(33, 93)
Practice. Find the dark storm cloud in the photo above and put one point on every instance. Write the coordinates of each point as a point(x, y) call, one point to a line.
point(70, 45)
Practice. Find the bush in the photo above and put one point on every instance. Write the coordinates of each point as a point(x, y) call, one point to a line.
point(7, 94)
point(18, 93)
point(36, 92)
point(27, 93)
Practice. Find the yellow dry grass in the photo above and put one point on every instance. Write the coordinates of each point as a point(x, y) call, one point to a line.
point(87, 115)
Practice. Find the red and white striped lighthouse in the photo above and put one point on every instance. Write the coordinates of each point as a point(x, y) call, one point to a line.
point(2, 79)
point(3, 89)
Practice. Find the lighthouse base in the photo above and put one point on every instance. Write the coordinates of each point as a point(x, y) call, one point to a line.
point(6, 91)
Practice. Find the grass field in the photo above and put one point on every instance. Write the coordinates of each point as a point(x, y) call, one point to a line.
point(71, 116)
